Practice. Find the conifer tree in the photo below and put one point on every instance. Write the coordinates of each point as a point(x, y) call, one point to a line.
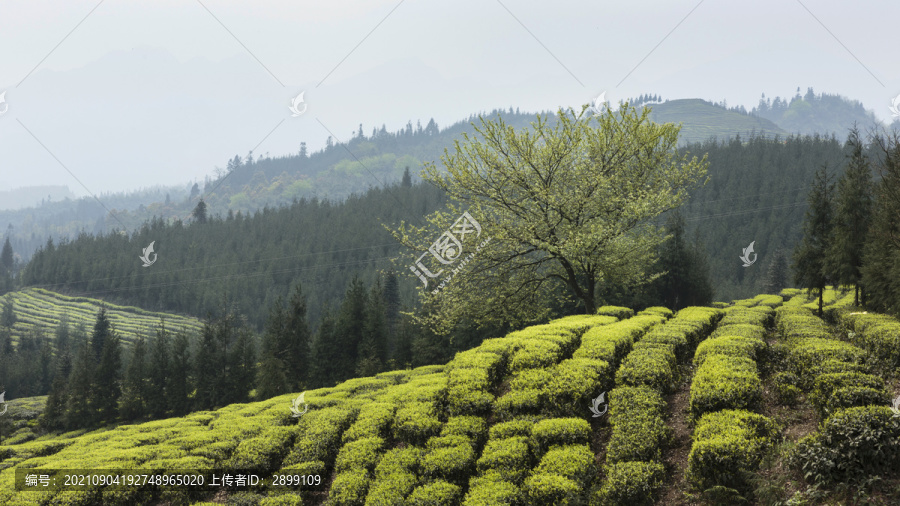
point(296, 348)
point(406, 181)
point(327, 353)
point(371, 349)
point(241, 376)
point(777, 275)
point(207, 367)
point(852, 216)
point(809, 256)
point(391, 311)
point(133, 401)
point(199, 212)
point(158, 374)
point(8, 318)
point(271, 378)
point(350, 328)
point(178, 386)
point(106, 386)
point(100, 334)
point(80, 411)
point(881, 266)
point(53, 417)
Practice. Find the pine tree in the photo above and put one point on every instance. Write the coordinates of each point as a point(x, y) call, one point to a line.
point(392, 311)
point(199, 212)
point(852, 217)
point(134, 395)
point(809, 256)
point(372, 347)
point(271, 378)
point(241, 376)
point(406, 181)
point(777, 275)
point(106, 386)
point(686, 282)
point(178, 385)
point(327, 353)
point(6, 258)
point(8, 318)
point(881, 266)
point(79, 410)
point(206, 368)
point(101, 333)
point(159, 373)
point(297, 340)
point(350, 327)
point(53, 417)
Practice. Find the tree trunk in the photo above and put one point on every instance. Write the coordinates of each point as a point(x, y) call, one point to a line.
point(821, 298)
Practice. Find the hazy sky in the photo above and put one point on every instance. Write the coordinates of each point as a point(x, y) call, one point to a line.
point(124, 94)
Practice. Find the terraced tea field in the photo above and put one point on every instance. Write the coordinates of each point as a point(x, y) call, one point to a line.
point(746, 403)
point(36, 307)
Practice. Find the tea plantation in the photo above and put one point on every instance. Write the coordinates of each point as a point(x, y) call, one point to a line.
point(36, 307)
point(755, 402)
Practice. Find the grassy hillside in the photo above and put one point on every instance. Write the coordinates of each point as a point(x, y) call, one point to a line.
point(36, 307)
point(702, 120)
point(704, 405)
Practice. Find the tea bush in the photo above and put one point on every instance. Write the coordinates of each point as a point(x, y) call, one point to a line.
point(575, 462)
point(492, 489)
point(349, 488)
point(559, 431)
point(374, 420)
point(631, 483)
point(415, 422)
point(619, 312)
point(359, 454)
point(436, 493)
point(654, 367)
point(851, 444)
point(639, 431)
point(452, 463)
point(535, 353)
point(511, 457)
point(725, 382)
point(552, 489)
point(826, 387)
point(733, 346)
point(521, 427)
point(472, 427)
point(728, 446)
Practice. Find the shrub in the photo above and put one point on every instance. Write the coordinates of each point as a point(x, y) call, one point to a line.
point(436, 493)
point(416, 422)
point(848, 397)
point(282, 500)
point(510, 457)
point(724, 382)
point(739, 329)
point(391, 489)
point(572, 383)
point(617, 311)
point(467, 391)
point(747, 316)
point(535, 353)
point(734, 346)
point(374, 421)
point(807, 355)
point(520, 427)
point(491, 489)
point(520, 402)
point(673, 338)
point(632, 483)
point(398, 460)
point(611, 343)
point(472, 427)
point(349, 488)
point(785, 387)
point(552, 489)
point(359, 454)
point(668, 313)
point(654, 367)
point(263, 453)
point(319, 435)
point(492, 363)
point(639, 430)
point(851, 444)
point(559, 431)
point(531, 379)
point(833, 365)
point(453, 463)
point(728, 445)
point(581, 322)
point(827, 385)
point(575, 462)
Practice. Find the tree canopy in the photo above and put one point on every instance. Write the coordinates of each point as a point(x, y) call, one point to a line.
point(567, 205)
